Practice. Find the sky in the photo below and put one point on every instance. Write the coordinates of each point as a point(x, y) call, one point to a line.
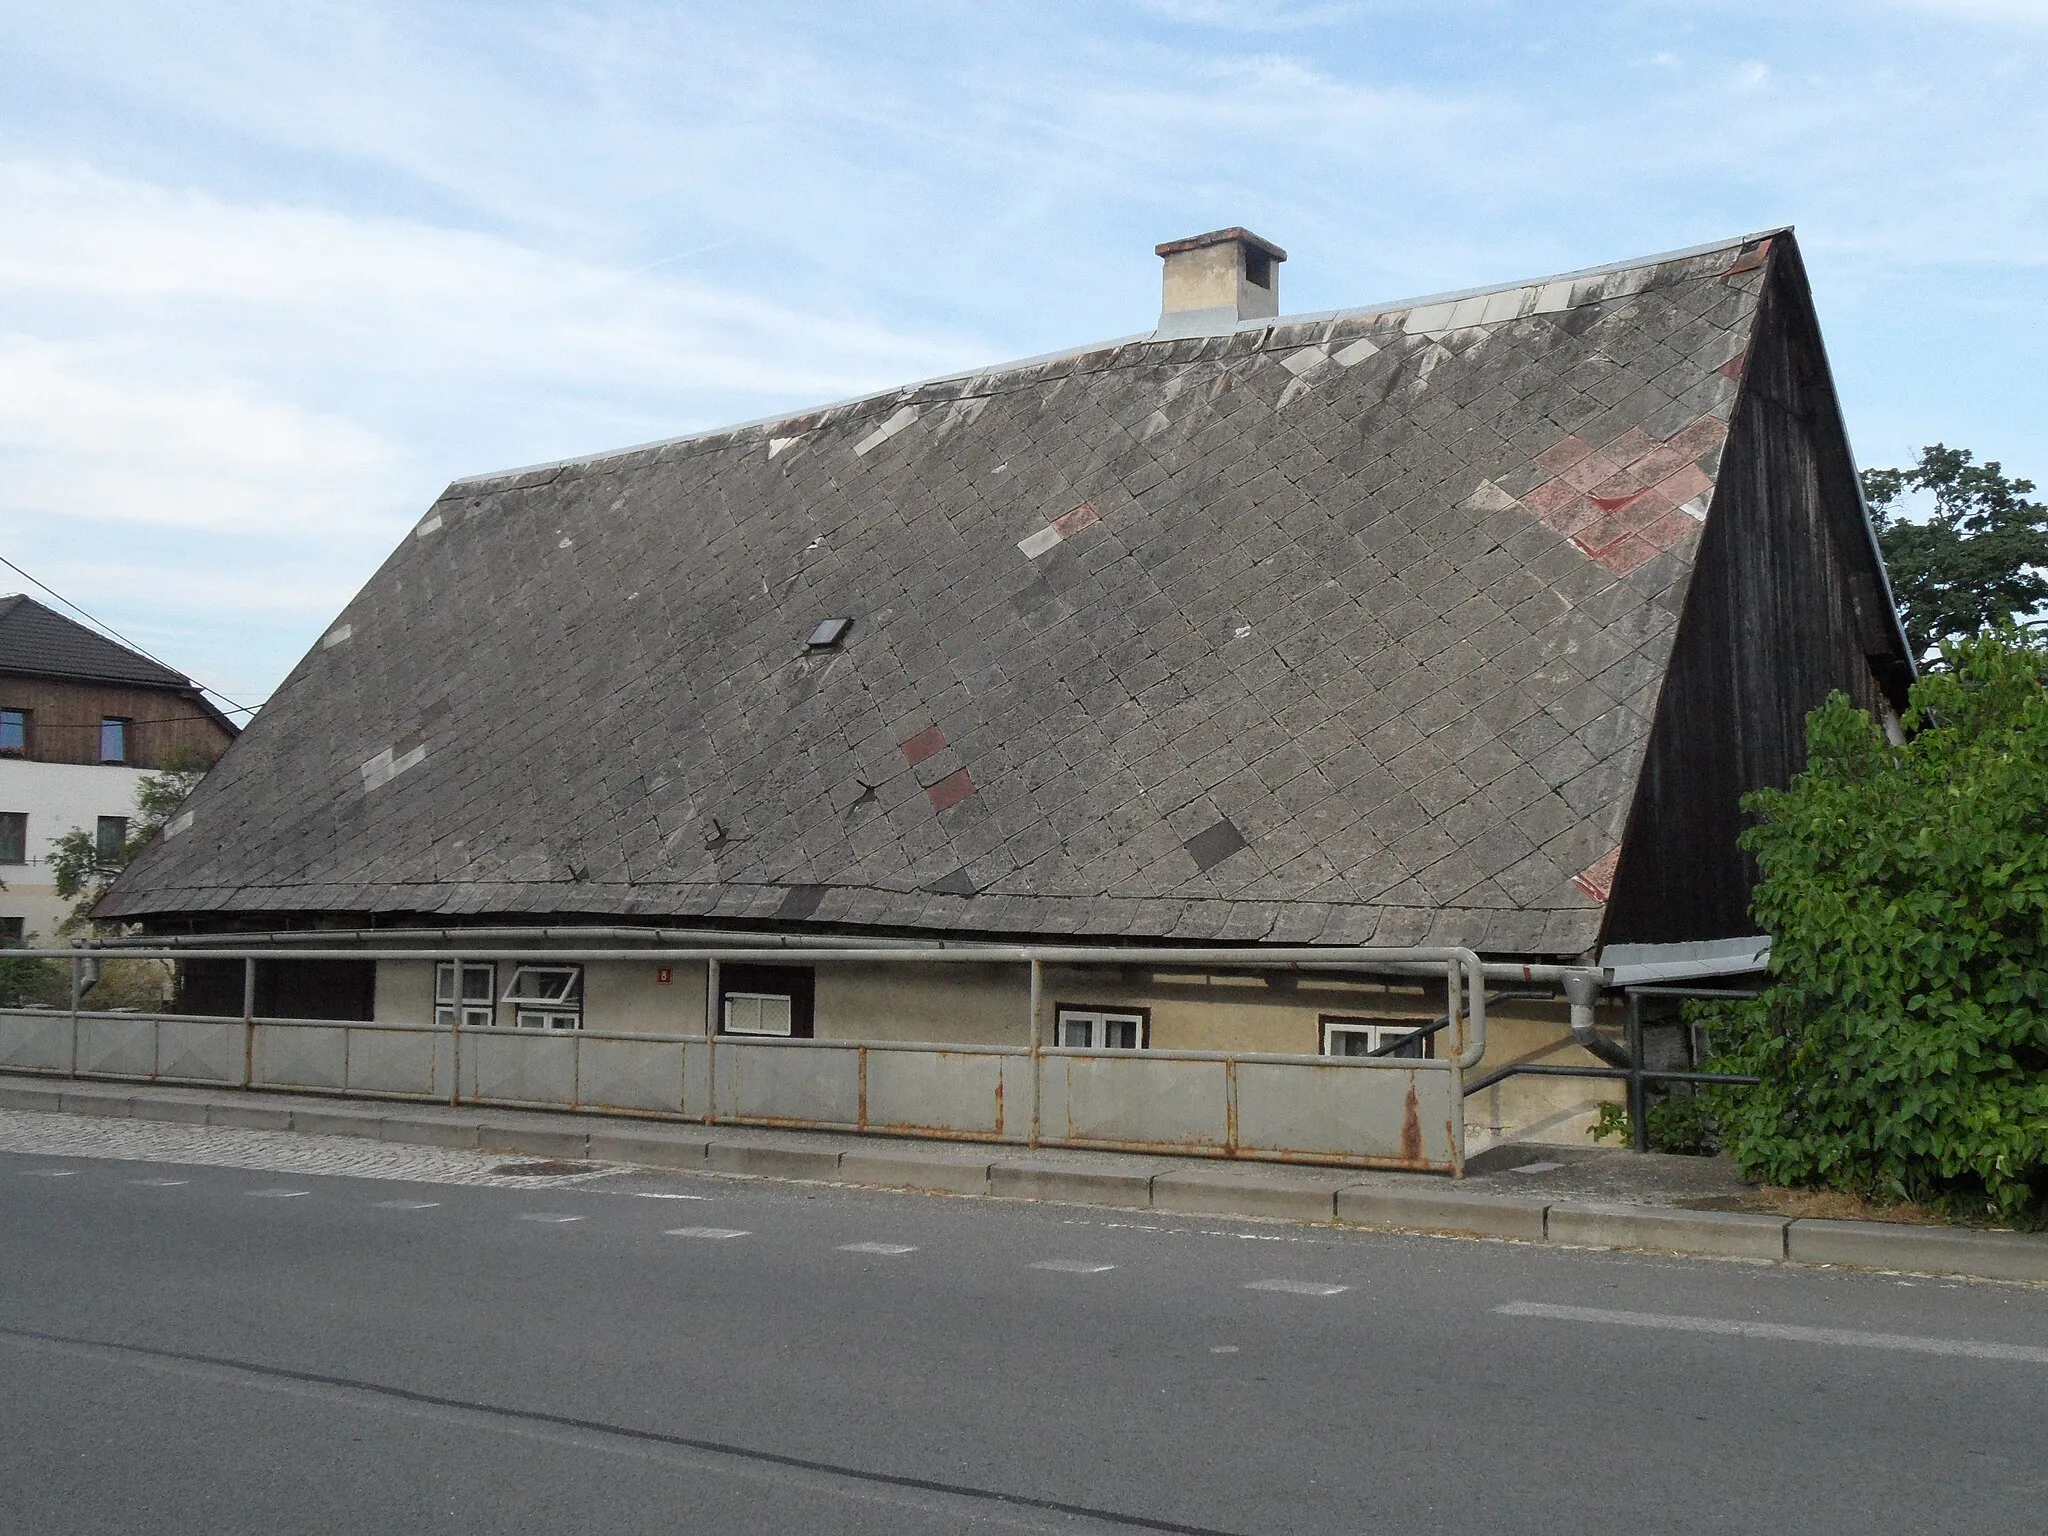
point(272, 276)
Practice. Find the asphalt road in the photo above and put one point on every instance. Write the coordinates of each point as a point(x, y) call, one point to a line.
point(196, 1348)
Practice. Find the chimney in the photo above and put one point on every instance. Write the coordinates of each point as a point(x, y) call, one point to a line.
point(1215, 280)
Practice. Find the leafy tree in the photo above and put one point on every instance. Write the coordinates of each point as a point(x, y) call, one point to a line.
point(79, 869)
point(1976, 561)
point(1903, 1039)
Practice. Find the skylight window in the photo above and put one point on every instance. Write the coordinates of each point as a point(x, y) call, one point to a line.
point(826, 636)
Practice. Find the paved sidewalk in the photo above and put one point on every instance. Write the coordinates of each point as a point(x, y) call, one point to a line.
point(1592, 1197)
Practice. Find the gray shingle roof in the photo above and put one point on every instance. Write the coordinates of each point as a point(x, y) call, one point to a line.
point(39, 642)
point(1344, 629)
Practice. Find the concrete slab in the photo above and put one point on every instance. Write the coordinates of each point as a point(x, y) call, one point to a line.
point(431, 1131)
point(101, 1101)
point(1225, 1192)
point(1443, 1210)
point(249, 1117)
point(650, 1148)
point(908, 1168)
point(338, 1122)
point(171, 1109)
point(1922, 1250)
point(1716, 1234)
point(571, 1142)
point(31, 1097)
point(771, 1161)
point(1026, 1179)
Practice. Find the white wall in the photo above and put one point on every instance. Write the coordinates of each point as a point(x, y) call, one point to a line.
point(59, 798)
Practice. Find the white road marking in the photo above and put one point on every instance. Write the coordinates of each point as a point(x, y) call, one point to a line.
point(279, 1194)
point(711, 1232)
point(548, 1216)
point(1072, 1267)
point(883, 1248)
point(646, 1194)
point(1298, 1287)
point(159, 1183)
point(406, 1205)
point(50, 1173)
point(1788, 1333)
point(1222, 1349)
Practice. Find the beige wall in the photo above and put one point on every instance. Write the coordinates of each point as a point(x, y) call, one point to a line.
point(961, 1004)
point(628, 996)
point(405, 992)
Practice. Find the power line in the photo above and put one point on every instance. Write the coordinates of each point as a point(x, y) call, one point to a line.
point(101, 624)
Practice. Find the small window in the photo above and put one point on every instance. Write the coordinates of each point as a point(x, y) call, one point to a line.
point(546, 997)
point(1103, 1029)
point(827, 635)
point(479, 986)
point(1258, 267)
point(114, 740)
point(14, 732)
point(13, 837)
point(110, 841)
point(758, 1013)
point(13, 930)
point(1364, 1037)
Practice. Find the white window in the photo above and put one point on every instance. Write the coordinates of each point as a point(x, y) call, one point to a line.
point(1364, 1037)
point(546, 997)
point(757, 1013)
point(479, 984)
point(1100, 1029)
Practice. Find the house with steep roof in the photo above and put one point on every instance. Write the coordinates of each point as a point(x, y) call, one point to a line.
point(1465, 620)
point(82, 719)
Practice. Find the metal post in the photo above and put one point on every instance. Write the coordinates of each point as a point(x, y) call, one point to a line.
point(455, 1025)
point(248, 1023)
point(1037, 994)
point(1638, 1095)
point(77, 995)
point(711, 1022)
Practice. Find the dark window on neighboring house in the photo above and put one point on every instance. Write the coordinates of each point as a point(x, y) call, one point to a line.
point(1102, 1029)
point(111, 839)
point(767, 1000)
point(13, 837)
point(14, 732)
point(13, 929)
point(1362, 1037)
point(114, 739)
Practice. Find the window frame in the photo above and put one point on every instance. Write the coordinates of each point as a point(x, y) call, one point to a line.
point(1379, 1031)
point(27, 718)
point(1098, 1017)
point(727, 1027)
point(557, 1011)
point(796, 983)
point(101, 851)
point(120, 725)
point(479, 1007)
point(11, 821)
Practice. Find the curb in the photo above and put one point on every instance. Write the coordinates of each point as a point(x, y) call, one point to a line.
point(1429, 1206)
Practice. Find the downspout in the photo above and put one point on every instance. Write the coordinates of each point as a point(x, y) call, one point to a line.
point(1582, 991)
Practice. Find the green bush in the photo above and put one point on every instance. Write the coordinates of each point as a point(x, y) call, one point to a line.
point(1679, 1121)
point(1902, 1041)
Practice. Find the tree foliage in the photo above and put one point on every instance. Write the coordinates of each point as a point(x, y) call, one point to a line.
point(1903, 1039)
point(1976, 561)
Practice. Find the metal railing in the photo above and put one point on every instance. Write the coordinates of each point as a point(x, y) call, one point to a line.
point(1368, 1111)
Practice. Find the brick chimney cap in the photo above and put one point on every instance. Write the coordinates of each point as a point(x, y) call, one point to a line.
point(1235, 233)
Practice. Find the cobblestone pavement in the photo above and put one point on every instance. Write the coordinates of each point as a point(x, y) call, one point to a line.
point(144, 1141)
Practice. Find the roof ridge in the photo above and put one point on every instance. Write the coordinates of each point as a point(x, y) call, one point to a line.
point(1018, 365)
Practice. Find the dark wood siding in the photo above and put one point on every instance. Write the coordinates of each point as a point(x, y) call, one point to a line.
point(1786, 606)
point(64, 725)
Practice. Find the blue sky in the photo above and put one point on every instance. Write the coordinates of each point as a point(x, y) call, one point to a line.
point(271, 276)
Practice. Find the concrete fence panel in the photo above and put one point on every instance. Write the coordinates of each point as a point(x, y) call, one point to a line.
point(1129, 1099)
point(111, 1045)
point(519, 1067)
point(1392, 1114)
point(816, 1084)
point(947, 1093)
point(305, 1056)
point(641, 1075)
point(201, 1051)
point(403, 1063)
point(33, 1041)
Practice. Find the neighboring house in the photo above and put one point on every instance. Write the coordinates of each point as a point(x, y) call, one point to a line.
point(1466, 620)
point(82, 719)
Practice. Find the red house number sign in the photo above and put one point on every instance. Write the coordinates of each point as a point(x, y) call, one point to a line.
point(662, 975)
